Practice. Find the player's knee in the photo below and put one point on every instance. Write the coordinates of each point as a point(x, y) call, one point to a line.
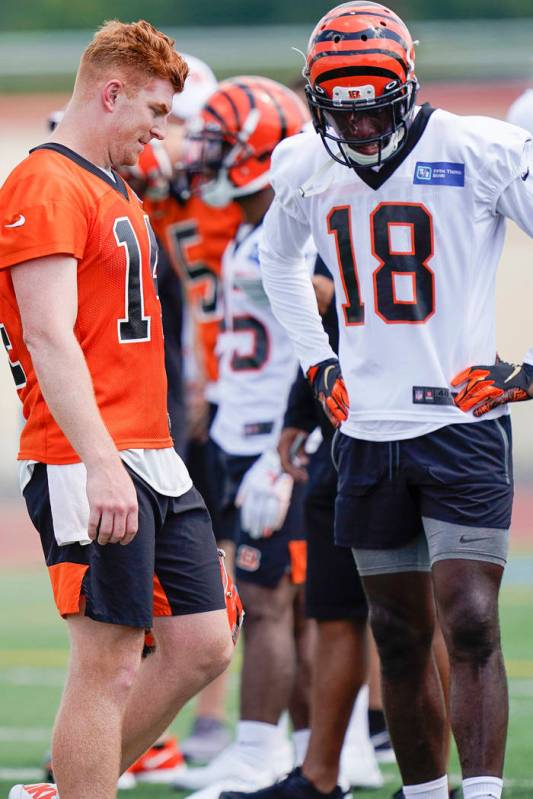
point(473, 632)
point(215, 658)
point(401, 642)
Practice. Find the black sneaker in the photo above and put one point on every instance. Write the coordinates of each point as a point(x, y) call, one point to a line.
point(294, 786)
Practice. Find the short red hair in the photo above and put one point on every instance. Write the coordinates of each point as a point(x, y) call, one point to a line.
point(136, 49)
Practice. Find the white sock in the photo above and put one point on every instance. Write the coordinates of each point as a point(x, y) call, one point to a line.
point(358, 724)
point(482, 788)
point(437, 789)
point(256, 740)
point(300, 740)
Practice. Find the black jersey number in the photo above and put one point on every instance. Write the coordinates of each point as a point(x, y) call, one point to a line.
point(185, 234)
point(259, 353)
point(406, 266)
point(135, 325)
point(19, 376)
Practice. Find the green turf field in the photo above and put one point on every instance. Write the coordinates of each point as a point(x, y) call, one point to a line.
point(33, 658)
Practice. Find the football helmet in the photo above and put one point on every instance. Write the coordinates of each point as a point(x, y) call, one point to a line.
point(230, 144)
point(361, 82)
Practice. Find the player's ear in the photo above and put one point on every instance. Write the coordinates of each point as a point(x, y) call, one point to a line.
point(111, 92)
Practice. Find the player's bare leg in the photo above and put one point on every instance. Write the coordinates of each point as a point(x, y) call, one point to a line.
point(402, 616)
point(190, 651)
point(442, 661)
point(467, 597)
point(268, 638)
point(340, 670)
point(87, 734)
point(211, 701)
point(305, 636)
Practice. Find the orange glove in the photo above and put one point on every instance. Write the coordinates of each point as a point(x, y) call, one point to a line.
point(329, 389)
point(490, 386)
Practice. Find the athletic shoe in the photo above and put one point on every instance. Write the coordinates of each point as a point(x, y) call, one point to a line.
point(39, 790)
point(231, 765)
point(161, 764)
point(383, 747)
point(208, 737)
point(358, 766)
point(126, 781)
point(294, 786)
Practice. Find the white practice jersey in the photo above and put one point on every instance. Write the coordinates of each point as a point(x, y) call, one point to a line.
point(521, 111)
point(257, 360)
point(413, 248)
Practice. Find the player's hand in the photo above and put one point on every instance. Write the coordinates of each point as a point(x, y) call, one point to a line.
point(264, 496)
point(328, 387)
point(490, 386)
point(291, 448)
point(113, 508)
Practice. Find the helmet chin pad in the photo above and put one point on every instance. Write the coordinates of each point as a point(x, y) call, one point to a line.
point(384, 151)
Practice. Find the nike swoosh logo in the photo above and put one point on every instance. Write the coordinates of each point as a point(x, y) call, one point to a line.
point(464, 540)
point(326, 373)
point(18, 222)
point(514, 373)
point(155, 761)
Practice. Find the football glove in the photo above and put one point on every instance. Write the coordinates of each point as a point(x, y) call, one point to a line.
point(328, 387)
point(264, 496)
point(490, 386)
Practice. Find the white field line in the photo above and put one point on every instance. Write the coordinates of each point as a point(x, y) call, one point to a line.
point(28, 675)
point(16, 775)
point(25, 734)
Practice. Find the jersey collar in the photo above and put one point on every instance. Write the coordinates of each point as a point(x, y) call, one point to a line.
point(117, 184)
point(376, 178)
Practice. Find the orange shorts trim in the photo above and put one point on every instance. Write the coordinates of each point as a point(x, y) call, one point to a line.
point(161, 603)
point(66, 579)
point(298, 556)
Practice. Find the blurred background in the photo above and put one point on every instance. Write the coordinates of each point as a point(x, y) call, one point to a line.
point(472, 57)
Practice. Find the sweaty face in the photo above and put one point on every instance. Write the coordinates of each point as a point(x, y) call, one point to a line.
point(139, 118)
point(360, 128)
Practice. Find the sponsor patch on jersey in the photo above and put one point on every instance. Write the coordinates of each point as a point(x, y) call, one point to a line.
point(248, 558)
point(439, 173)
point(258, 429)
point(432, 395)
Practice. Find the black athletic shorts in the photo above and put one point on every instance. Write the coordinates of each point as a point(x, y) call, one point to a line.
point(262, 561)
point(459, 474)
point(170, 568)
point(333, 590)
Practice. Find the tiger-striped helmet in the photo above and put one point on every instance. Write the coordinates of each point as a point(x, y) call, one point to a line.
point(361, 82)
point(232, 141)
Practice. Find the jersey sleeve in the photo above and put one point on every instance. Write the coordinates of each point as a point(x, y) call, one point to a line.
point(283, 181)
point(500, 159)
point(516, 201)
point(287, 282)
point(40, 215)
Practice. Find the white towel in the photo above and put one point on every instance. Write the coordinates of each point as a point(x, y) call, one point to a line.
point(67, 486)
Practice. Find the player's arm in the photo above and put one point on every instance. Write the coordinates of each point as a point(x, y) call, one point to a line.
point(46, 291)
point(289, 287)
point(485, 386)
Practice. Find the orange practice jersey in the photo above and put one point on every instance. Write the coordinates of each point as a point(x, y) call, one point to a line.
point(56, 202)
point(195, 236)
